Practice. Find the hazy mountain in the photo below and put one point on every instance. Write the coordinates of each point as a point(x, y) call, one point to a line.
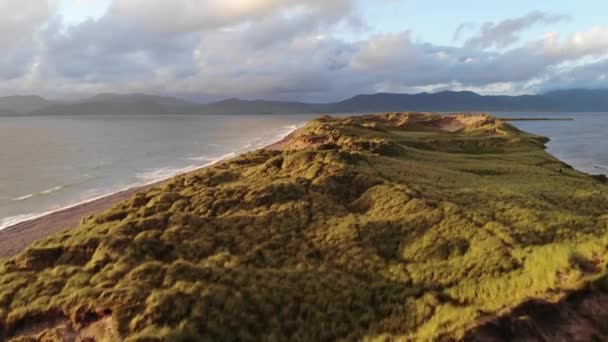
point(236, 106)
point(448, 101)
point(573, 100)
point(6, 112)
point(117, 104)
point(141, 104)
point(23, 104)
point(137, 98)
point(595, 100)
point(580, 100)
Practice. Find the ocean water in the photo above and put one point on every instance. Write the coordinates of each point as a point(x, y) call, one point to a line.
point(582, 143)
point(49, 163)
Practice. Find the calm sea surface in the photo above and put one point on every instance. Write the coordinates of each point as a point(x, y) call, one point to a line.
point(48, 163)
point(582, 143)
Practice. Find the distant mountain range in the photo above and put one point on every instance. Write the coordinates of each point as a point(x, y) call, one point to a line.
point(574, 100)
point(23, 104)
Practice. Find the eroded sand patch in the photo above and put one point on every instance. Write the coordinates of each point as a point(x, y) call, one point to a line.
point(454, 123)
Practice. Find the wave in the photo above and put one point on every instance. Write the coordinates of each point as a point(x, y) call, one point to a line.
point(23, 198)
point(48, 191)
point(145, 178)
point(13, 220)
point(201, 158)
point(287, 130)
point(163, 173)
point(43, 192)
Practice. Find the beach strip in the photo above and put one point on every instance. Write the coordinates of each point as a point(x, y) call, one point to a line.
point(15, 238)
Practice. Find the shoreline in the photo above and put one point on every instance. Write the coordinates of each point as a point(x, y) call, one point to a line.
point(537, 119)
point(14, 238)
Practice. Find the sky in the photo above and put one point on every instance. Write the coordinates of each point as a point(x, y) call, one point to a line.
point(315, 50)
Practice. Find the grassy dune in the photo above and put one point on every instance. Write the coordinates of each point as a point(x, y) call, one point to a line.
point(365, 228)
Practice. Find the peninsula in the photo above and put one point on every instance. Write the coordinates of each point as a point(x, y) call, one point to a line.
point(379, 227)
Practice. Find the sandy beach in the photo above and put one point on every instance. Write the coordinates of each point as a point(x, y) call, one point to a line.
point(15, 238)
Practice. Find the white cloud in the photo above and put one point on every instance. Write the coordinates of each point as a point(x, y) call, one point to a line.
point(201, 15)
point(383, 51)
point(273, 49)
point(592, 42)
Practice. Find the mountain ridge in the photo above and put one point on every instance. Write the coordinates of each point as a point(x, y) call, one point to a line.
point(577, 100)
point(20, 104)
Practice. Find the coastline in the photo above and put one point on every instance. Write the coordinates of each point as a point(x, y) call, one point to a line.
point(16, 237)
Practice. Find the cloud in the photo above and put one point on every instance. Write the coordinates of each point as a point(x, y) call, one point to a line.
point(110, 49)
point(460, 30)
point(202, 15)
point(255, 50)
point(592, 42)
point(273, 49)
point(397, 59)
point(591, 75)
point(19, 23)
point(505, 33)
point(20, 19)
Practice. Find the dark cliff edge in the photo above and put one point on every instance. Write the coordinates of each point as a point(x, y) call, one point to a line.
point(577, 316)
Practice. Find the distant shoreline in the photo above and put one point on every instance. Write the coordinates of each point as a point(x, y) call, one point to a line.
point(537, 119)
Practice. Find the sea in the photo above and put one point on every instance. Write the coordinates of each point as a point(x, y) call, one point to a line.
point(51, 163)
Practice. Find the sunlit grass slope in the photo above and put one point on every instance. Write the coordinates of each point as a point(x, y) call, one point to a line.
point(411, 227)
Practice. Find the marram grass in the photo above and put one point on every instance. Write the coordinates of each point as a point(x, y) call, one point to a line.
point(365, 228)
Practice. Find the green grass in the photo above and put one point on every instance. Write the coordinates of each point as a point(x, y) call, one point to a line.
point(376, 230)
